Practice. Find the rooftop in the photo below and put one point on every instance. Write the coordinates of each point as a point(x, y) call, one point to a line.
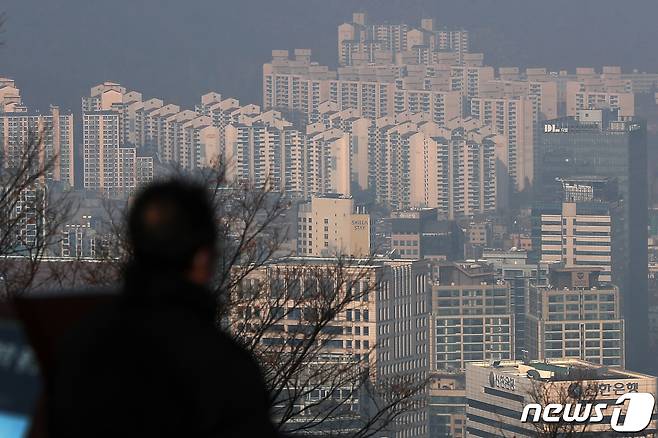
point(560, 370)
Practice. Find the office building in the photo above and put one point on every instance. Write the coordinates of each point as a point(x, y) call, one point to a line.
point(375, 328)
point(600, 143)
point(577, 235)
point(513, 268)
point(471, 317)
point(419, 234)
point(333, 226)
point(497, 393)
point(575, 315)
point(447, 405)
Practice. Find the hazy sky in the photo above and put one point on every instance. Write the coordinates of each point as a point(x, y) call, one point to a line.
point(56, 50)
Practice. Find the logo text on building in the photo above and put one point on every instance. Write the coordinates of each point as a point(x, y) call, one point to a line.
point(637, 417)
point(550, 127)
point(502, 381)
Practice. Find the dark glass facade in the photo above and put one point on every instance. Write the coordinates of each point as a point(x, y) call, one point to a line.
point(616, 149)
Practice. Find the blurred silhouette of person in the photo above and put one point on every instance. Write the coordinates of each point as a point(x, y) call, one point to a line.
point(154, 364)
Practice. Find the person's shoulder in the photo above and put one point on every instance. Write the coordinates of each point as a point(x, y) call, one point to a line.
point(233, 347)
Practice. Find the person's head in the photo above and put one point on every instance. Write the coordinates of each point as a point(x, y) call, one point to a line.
point(172, 230)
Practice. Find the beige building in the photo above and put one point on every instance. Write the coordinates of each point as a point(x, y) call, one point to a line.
point(453, 169)
point(328, 167)
point(110, 168)
point(10, 96)
point(542, 93)
point(600, 94)
point(265, 150)
point(328, 226)
point(578, 235)
point(497, 393)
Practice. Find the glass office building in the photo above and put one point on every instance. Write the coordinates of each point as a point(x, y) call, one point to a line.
point(599, 143)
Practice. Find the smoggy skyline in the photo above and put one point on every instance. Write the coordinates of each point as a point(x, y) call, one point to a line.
point(178, 51)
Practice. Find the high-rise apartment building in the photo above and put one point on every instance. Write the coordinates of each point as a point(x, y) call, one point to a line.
point(333, 226)
point(110, 168)
point(157, 132)
point(592, 91)
point(542, 93)
point(512, 119)
point(328, 164)
point(599, 143)
point(267, 151)
point(302, 86)
point(415, 163)
point(453, 170)
point(361, 42)
point(576, 316)
point(10, 96)
point(52, 134)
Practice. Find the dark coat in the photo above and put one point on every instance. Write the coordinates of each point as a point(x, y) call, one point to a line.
point(153, 364)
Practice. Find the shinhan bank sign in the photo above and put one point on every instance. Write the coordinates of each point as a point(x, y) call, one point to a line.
point(640, 406)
